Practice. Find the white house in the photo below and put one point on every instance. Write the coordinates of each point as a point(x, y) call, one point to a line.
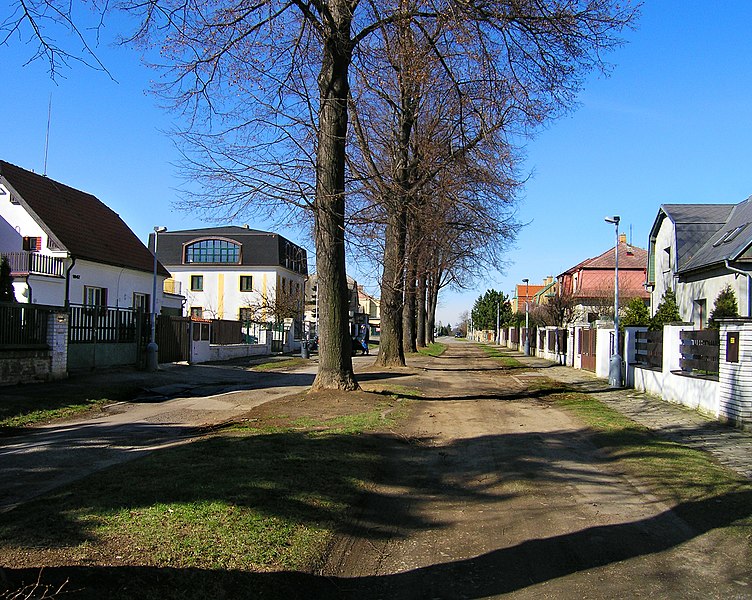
point(696, 250)
point(235, 273)
point(65, 247)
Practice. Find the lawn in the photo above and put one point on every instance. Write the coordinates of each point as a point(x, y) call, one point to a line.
point(265, 495)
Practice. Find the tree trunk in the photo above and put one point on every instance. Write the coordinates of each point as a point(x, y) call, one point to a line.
point(391, 352)
point(421, 311)
point(408, 311)
point(335, 353)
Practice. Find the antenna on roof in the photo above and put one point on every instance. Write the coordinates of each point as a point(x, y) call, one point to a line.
point(47, 137)
point(630, 235)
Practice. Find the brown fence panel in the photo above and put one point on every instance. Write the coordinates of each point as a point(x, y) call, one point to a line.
point(700, 351)
point(100, 324)
point(649, 351)
point(173, 338)
point(225, 332)
point(587, 348)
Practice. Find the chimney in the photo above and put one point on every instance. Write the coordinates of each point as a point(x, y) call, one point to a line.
point(622, 238)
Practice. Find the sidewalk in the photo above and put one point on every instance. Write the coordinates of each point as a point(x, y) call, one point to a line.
point(730, 446)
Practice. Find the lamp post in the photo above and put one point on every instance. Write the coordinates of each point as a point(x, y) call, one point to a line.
point(152, 360)
point(614, 366)
point(527, 318)
point(498, 330)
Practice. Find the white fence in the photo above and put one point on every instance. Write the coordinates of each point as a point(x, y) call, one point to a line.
point(727, 396)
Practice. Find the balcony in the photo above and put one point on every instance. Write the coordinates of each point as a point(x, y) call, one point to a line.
point(32, 263)
point(171, 286)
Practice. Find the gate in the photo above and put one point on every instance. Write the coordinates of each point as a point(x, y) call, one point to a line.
point(587, 348)
point(173, 338)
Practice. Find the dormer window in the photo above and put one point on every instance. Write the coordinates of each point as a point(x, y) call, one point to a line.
point(212, 251)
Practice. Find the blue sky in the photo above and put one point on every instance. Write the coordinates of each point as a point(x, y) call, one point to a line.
point(672, 123)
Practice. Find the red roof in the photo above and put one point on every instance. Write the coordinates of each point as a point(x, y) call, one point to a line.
point(595, 276)
point(80, 221)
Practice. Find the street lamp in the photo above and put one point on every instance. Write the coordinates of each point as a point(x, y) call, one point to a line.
point(614, 366)
point(152, 360)
point(527, 318)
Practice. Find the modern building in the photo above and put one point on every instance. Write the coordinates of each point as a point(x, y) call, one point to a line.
point(235, 273)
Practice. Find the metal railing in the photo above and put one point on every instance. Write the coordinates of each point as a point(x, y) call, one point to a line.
point(35, 263)
point(100, 324)
point(23, 325)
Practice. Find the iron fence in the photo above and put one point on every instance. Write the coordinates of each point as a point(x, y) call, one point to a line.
point(111, 325)
point(23, 325)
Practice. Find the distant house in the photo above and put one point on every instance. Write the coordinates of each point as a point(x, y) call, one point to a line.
point(696, 250)
point(235, 273)
point(371, 306)
point(591, 282)
point(525, 293)
point(65, 247)
point(312, 301)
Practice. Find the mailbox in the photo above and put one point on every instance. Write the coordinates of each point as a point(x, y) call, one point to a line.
point(732, 347)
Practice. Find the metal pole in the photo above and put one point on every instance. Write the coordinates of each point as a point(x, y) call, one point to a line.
point(152, 360)
point(614, 367)
point(498, 331)
point(527, 317)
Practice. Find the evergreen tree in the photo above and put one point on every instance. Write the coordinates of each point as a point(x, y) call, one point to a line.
point(6, 282)
point(483, 315)
point(667, 311)
point(725, 306)
point(636, 314)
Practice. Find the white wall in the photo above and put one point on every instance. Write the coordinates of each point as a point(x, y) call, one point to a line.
point(707, 287)
point(221, 297)
point(664, 262)
point(120, 282)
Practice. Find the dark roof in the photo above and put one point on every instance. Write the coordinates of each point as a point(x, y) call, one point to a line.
point(727, 242)
point(79, 221)
point(258, 248)
point(694, 225)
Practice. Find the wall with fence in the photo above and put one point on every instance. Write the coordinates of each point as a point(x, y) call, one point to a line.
point(33, 343)
point(707, 370)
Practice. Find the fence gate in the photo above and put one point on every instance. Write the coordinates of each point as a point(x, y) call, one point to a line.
point(587, 348)
point(173, 338)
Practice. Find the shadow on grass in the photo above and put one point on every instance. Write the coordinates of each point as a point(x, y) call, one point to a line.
point(497, 572)
point(318, 480)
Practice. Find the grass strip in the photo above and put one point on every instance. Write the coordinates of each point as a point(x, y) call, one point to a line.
point(506, 361)
point(281, 365)
point(434, 349)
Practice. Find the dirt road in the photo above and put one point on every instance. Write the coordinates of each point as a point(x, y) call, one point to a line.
point(495, 492)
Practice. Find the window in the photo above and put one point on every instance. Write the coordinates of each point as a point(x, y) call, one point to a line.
point(197, 283)
point(246, 283)
point(32, 244)
point(245, 314)
point(197, 312)
point(95, 296)
point(141, 302)
point(701, 310)
point(212, 251)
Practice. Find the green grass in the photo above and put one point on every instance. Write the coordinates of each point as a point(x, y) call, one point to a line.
point(254, 498)
point(50, 404)
point(434, 349)
point(285, 363)
point(505, 360)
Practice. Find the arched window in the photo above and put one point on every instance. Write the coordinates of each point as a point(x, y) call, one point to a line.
point(213, 251)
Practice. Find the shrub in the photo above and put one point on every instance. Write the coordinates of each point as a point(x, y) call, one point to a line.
point(667, 311)
point(725, 306)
